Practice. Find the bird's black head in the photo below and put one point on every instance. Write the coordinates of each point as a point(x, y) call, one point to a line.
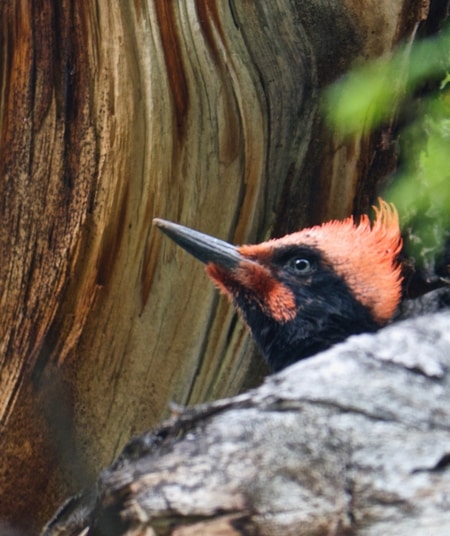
point(304, 292)
point(307, 310)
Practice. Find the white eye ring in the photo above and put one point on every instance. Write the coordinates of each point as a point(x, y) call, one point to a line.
point(301, 265)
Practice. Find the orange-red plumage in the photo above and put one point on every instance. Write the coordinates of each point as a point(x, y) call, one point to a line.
point(363, 254)
point(273, 297)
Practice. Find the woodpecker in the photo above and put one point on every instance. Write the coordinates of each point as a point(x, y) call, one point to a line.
point(308, 290)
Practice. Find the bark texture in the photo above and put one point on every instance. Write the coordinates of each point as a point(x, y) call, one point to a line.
point(202, 112)
point(352, 441)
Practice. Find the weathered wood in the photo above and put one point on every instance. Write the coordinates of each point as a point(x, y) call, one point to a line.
point(352, 441)
point(203, 112)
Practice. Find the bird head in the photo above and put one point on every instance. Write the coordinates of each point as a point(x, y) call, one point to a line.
point(301, 293)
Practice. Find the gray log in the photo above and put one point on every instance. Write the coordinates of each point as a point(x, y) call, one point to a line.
point(353, 441)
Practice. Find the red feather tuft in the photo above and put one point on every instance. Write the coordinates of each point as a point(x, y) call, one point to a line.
point(256, 280)
point(363, 254)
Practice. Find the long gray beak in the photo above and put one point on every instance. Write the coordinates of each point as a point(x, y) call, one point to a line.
point(203, 247)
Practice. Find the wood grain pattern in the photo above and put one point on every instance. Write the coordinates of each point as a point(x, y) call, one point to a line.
point(202, 112)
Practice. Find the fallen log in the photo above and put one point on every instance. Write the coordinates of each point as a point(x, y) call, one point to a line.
point(355, 440)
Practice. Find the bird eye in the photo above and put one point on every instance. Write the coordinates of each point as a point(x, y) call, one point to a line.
point(300, 265)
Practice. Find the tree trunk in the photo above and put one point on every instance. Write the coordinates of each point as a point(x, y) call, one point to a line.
point(203, 112)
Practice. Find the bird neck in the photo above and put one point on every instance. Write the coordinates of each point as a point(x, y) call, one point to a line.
point(307, 334)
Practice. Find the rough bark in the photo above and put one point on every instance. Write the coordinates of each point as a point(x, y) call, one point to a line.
point(353, 441)
point(203, 112)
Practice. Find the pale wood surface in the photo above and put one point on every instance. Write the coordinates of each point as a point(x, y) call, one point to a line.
point(352, 441)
